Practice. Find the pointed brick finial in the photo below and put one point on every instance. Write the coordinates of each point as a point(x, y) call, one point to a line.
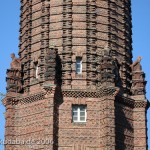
point(136, 66)
point(15, 64)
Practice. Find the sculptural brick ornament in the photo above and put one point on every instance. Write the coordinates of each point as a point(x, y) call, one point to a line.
point(74, 85)
point(14, 75)
point(138, 78)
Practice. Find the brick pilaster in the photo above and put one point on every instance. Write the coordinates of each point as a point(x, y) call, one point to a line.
point(140, 129)
point(108, 125)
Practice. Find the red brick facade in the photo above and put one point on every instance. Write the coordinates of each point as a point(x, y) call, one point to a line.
point(43, 84)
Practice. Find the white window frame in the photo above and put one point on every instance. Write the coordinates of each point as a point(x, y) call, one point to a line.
point(78, 62)
point(36, 70)
point(78, 111)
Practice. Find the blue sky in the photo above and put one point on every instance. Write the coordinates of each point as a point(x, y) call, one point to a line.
point(9, 33)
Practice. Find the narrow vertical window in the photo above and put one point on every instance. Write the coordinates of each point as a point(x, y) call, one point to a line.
point(36, 70)
point(78, 65)
point(79, 113)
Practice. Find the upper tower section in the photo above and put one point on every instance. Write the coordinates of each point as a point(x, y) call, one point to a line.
point(79, 31)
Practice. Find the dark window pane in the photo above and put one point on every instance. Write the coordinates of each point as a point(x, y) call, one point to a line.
point(82, 118)
point(75, 114)
point(82, 114)
point(75, 119)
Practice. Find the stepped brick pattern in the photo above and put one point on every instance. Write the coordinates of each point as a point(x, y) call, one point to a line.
point(43, 84)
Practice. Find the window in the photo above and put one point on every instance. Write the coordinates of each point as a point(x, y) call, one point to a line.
point(79, 113)
point(36, 70)
point(78, 65)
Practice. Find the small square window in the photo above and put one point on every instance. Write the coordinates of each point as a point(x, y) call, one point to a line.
point(79, 113)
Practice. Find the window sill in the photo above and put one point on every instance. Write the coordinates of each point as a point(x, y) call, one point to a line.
point(78, 75)
point(79, 123)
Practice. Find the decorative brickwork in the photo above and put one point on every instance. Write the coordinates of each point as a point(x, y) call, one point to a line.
point(14, 76)
point(43, 84)
point(138, 78)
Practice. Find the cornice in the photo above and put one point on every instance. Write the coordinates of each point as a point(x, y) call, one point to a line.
point(101, 92)
point(143, 103)
point(109, 92)
point(24, 99)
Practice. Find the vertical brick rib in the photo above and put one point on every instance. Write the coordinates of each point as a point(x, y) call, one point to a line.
point(120, 41)
point(91, 44)
point(67, 44)
point(45, 35)
point(25, 40)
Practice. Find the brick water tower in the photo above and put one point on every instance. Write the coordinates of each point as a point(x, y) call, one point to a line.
point(74, 82)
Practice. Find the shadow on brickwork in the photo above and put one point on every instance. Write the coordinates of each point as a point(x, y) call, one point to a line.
point(58, 99)
point(124, 128)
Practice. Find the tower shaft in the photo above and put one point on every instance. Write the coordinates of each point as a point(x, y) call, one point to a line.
point(77, 29)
